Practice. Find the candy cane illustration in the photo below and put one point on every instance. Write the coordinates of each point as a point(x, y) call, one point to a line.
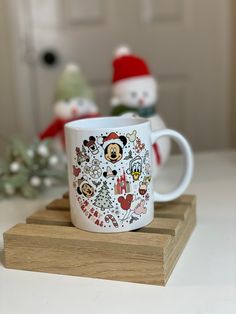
point(111, 218)
point(139, 146)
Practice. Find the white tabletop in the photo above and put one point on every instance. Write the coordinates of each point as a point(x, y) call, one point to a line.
point(203, 281)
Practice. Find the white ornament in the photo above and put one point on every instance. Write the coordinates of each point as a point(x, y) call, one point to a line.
point(14, 167)
point(35, 181)
point(53, 160)
point(47, 182)
point(9, 189)
point(43, 150)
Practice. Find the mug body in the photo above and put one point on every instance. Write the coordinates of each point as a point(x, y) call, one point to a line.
point(110, 174)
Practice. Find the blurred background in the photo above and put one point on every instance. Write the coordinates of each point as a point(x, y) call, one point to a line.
point(188, 44)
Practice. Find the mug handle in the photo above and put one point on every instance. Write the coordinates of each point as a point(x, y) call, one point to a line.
point(188, 156)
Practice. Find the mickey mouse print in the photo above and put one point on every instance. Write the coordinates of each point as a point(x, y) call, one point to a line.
point(110, 179)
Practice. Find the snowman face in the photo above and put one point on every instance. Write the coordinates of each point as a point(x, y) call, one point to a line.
point(74, 108)
point(136, 92)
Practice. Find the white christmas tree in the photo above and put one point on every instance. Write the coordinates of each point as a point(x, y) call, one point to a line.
point(103, 199)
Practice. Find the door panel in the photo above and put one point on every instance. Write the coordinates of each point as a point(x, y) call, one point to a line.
point(184, 41)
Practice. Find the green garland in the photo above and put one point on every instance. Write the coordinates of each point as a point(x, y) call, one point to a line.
point(29, 169)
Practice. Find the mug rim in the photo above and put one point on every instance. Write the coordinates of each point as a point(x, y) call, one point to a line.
point(114, 122)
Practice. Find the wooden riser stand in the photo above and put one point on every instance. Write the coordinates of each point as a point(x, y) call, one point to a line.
point(48, 242)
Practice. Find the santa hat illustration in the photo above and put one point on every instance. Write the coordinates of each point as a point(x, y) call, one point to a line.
point(113, 138)
point(110, 173)
point(127, 65)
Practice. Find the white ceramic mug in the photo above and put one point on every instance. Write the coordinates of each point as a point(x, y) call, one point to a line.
point(110, 172)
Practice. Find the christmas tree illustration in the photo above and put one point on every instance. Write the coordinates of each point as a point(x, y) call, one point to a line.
point(103, 199)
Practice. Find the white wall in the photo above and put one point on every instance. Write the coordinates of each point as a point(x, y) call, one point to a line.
point(233, 83)
point(8, 121)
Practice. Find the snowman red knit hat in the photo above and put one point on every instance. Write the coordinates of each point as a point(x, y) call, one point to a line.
point(112, 138)
point(127, 65)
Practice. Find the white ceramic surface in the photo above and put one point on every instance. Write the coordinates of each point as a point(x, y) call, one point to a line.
point(110, 172)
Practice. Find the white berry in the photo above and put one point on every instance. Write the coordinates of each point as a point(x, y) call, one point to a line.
point(35, 181)
point(53, 160)
point(14, 167)
point(43, 150)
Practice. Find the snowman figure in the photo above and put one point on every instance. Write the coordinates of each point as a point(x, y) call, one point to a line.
point(66, 111)
point(73, 101)
point(135, 92)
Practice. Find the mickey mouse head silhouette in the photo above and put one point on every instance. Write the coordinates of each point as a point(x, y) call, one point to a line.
point(125, 202)
point(91, 145)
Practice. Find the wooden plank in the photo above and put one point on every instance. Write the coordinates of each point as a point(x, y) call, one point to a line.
point(131, 267)
point(172, 211)
point(186, 198)
point(62, 218)
point(163, 226)
point(65, 195)
point(50, 217)
point(49, 244)
point(165, 210)
point(59, 204)
point(32, 235)
point(67, 250)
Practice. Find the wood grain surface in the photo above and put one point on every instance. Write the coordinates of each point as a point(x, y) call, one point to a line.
point(49, 243)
